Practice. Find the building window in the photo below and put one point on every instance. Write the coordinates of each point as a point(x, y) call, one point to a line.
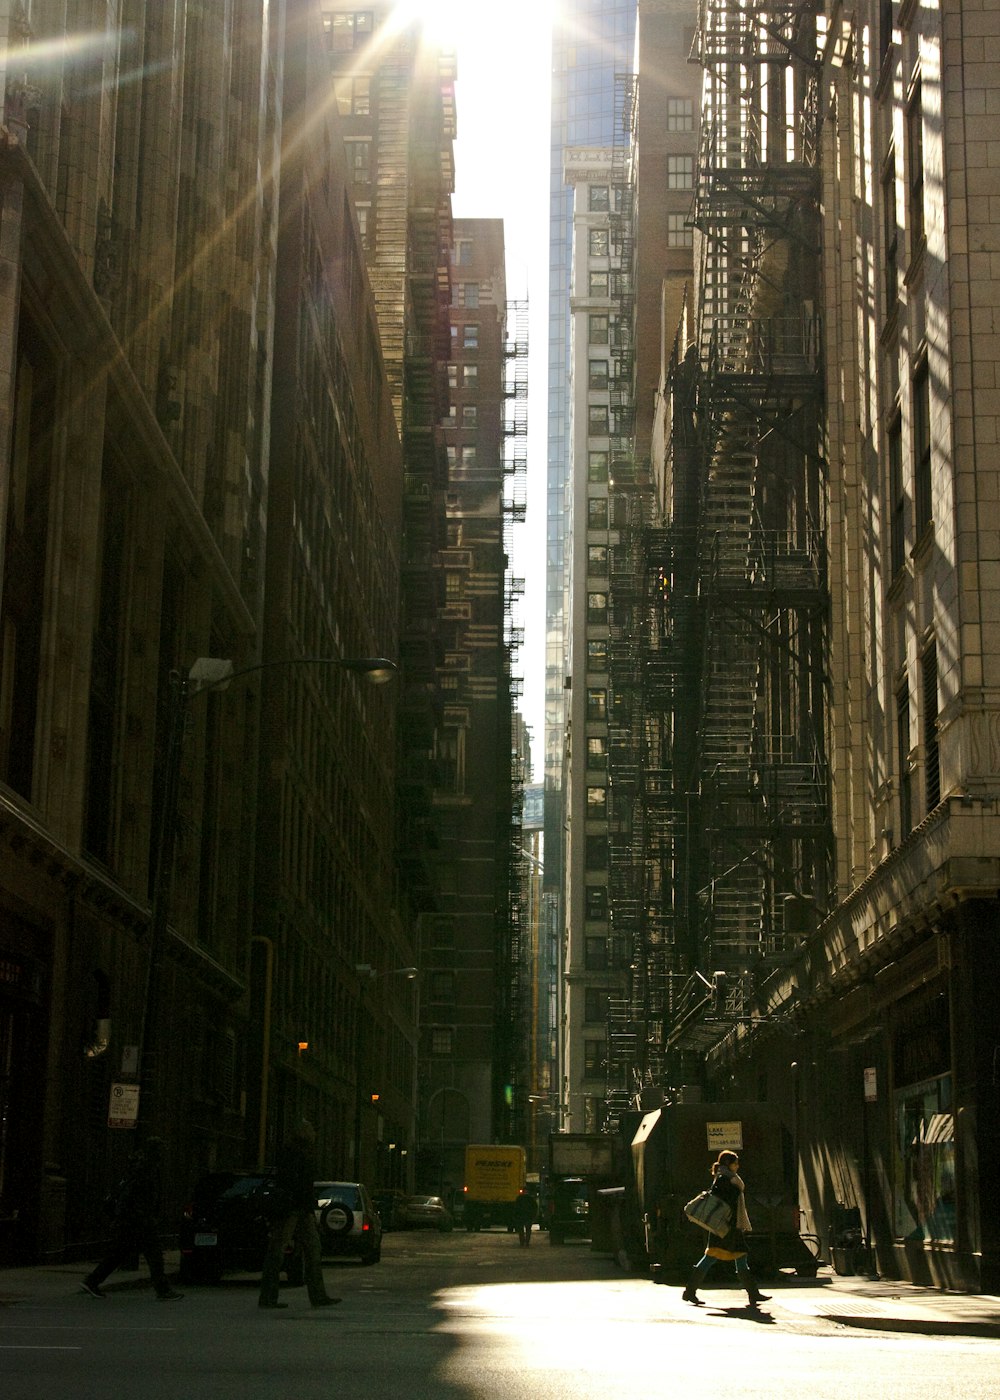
point(597, 284)
point(885, 28)
point(597, 330)
point(470, 376)
point(597, 801)
point(593, 1050)
point(598, 199)
point(595, 903)
point(922, 502)
point(680, 172)
point(363, 211)
point(453, 376)
point(467, 294)
point(597, 560)
point(915, 168)
point(463, 251)
point(597, 513)
point(469, 415)
point(598, 242)
point(932, 754)
point(441, 1040)
point(597, 466)
point(442, 986)
point(344, 29)
point(597, 375)
point(470, 336)
point(597, 752)
point(353, 94)
point(890, 233)
point(597, 611)
point(903, 760)
point(359, 161)
point(597, 420)
point(680, 234)
point(597, 703)
point(680, 114)
point(597, 660)
point(595, 1005)
point(897, 496)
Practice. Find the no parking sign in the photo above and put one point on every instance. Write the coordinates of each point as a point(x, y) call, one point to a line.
point(123, 1109)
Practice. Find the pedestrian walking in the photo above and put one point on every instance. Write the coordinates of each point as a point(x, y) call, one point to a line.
point(728, 1185)
point(295, 1220)
point(524, 1217)
point(134, 1209)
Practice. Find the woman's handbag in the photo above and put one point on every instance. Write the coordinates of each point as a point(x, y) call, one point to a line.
point(710, 1212)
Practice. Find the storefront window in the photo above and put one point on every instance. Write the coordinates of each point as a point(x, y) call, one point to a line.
point(925, 1161)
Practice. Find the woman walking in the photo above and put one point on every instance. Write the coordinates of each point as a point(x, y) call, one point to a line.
point(726, 1183)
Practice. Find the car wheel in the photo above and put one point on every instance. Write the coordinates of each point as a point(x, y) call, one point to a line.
point(336, 1219)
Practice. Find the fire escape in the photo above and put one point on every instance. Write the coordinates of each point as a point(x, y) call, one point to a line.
point(760, 860)
point(720, 847)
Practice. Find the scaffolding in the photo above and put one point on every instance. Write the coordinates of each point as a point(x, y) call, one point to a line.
point(514, 972)
point(720, 847)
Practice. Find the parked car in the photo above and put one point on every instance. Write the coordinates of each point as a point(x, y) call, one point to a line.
point(348, 1221)
point(428, 1213)
point(224, 1228)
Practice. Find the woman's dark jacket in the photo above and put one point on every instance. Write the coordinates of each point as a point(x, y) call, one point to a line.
point(734, 1241)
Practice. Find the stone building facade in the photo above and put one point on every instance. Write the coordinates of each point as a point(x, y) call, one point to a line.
point(172, 451)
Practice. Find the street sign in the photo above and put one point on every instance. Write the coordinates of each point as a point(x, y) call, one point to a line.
point(123, 1109)
point(725, 1137)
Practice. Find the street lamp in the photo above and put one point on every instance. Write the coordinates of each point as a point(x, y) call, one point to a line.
point(366, 975)
point(209, 673)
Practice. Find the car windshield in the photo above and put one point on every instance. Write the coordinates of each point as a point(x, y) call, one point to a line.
point(425, 1201)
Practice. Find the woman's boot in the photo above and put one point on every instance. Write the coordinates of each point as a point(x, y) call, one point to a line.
point(755, 1295)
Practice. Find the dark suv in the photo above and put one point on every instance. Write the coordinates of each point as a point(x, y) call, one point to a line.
point(224, 1228)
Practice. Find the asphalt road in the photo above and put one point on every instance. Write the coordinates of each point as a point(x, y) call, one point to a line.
point(474, 1317)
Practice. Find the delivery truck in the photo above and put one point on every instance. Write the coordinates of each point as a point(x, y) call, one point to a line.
point(495, 1176)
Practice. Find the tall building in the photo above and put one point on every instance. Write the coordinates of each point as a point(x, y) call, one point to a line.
point(333, 1020)
point(136, 323)
point(592, 44)
point(468, 1007)
point(618, 343)
point(815, 647)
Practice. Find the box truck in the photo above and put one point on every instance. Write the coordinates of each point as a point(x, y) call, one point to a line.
point(494, 1178)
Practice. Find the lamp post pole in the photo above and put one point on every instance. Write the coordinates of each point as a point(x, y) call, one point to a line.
point(206, 675)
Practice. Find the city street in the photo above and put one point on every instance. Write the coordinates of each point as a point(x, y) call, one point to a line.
point(466, 1317)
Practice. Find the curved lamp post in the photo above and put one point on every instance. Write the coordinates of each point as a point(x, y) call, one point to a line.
point(209, 673)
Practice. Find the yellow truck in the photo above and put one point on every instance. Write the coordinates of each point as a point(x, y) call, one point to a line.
point(494, 1178)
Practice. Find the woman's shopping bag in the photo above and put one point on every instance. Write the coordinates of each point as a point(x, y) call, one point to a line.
point(710, 1212)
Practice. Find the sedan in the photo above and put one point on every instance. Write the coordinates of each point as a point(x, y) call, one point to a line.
point(427, 1212)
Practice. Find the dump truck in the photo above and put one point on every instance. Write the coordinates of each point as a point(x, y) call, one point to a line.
point(494, 1178)
point(580, 1164)
point(672, 1151)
